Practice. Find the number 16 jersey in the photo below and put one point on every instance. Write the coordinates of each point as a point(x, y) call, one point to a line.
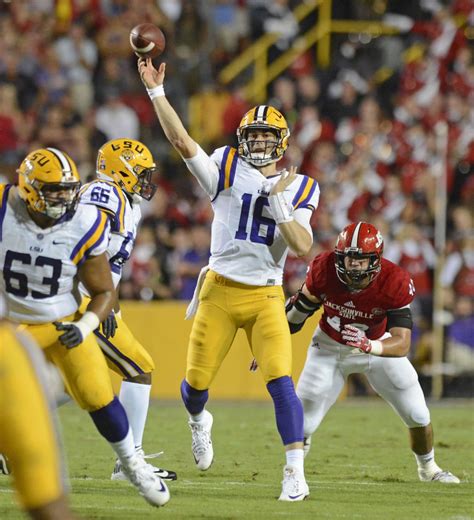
point(246, 245)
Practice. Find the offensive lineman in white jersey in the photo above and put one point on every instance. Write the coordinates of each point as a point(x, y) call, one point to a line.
point(259, 212)
point(48, 244)
point(124, 171)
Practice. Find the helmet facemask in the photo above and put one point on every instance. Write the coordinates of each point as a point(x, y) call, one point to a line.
point(357, 278)
point(263, 119)
point(144, 188)
point(57, 199)
point(259, 152)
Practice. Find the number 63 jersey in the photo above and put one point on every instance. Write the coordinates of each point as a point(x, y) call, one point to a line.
point(39, 265)
point(247, 246)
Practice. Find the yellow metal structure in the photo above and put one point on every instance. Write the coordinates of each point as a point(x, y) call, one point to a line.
point(320, 34)
point(263, 73)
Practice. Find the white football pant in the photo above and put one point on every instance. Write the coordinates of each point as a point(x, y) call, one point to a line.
point(327, 366)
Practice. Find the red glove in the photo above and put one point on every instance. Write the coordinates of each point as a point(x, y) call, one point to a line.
point(355, 337)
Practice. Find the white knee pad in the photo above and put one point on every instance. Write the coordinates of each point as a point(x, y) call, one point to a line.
point(419, 416)
point(396, 381)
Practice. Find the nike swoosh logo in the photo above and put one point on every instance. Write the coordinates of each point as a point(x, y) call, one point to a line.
point(56, 243)
point(294, 497)
point(162, 486)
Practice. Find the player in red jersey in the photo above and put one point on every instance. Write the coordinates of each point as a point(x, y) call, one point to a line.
point(365, 328)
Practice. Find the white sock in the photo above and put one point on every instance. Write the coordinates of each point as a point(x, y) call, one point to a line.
point(198, 417)
point(135, 398)
point(427, 462)
point(295, 458)
point(124, 448)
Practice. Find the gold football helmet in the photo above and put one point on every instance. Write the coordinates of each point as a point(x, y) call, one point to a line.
point(130, 164)
point(262, 152)
point(48, 182)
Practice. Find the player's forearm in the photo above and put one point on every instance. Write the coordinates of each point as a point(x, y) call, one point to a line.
point(173, 128)
point(102, 304)
point(297, 237)
point(396, 345)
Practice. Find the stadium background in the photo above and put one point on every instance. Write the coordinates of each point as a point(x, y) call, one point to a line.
point(381, 114)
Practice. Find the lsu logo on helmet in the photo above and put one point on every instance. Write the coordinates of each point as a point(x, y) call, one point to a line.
point(130, 164)
point(266, 119)
point(48, 182)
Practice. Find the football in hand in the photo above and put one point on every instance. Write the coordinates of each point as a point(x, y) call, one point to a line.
point(147, 40)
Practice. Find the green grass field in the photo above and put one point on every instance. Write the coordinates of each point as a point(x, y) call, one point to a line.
point(360, 466)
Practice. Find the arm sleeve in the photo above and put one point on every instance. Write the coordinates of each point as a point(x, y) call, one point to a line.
point(205, 170)
point(303, 217)
point(399, 318)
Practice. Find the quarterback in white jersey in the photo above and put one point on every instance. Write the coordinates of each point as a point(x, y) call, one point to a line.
point(48, 244)
point(247, 245)
point(124, 171)
point(259, 213)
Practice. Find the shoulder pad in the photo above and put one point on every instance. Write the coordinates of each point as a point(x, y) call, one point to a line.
point(226, 158)
point(94, 233)
point(397, 285)
point(109, 197)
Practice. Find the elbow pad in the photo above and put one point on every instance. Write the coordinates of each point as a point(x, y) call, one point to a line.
point(298, 309)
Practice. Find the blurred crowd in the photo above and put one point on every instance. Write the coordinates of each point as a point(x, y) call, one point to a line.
point(378, 129)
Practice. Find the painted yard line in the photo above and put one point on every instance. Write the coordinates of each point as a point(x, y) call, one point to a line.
point(318, 484)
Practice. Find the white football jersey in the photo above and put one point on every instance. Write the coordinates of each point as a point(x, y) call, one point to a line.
point(247, 246)
point(124, 219)
point(39, 266)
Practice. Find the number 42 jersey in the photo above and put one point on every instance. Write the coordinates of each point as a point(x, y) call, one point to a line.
point(392, 289)
point(39, 266)
point(247, 246)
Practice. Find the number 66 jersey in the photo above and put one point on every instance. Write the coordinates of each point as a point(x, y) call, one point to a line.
point(247, 246)
point(39, 266)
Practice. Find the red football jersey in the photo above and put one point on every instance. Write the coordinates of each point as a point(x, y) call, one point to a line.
point(367, 308)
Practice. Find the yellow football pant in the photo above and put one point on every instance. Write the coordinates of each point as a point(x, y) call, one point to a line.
point(83, 368)
point(124, 354)
point(224, 307)
point(27, 433)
